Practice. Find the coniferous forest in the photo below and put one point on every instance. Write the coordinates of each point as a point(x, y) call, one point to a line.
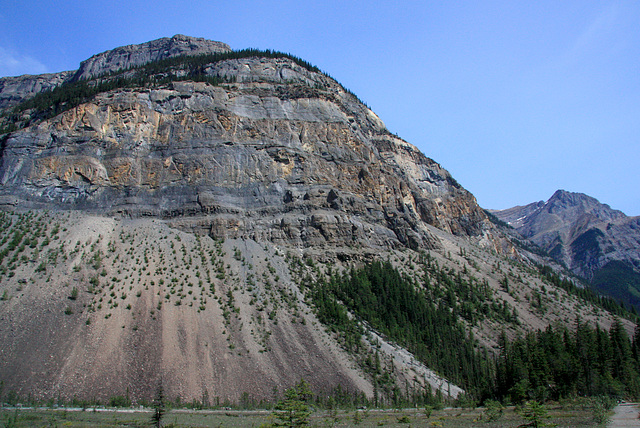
point(560, 363)
point(552, 364)
point(72, 93)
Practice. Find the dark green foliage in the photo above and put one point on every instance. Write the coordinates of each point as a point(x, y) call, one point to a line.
point(428, 410)
point(120, 401)
point(530, 246)
point(404, 420)
point(11, 421)
point(7, 128)
point(74, 293)
point(601, 407)
point(158, 407)
point(535, 413)
point(293, 410)
point(556, 363)
point(550, 364)
point(556, 251)
point(620, 281)
point(495, 220)
point(493, 410)
point(585, 293)
point(586, 246)
point(404, 312)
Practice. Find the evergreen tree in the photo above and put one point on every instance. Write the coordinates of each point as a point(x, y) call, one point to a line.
point(635, 346)
point(555, 363)
point(620, 350)
point(293, 410)
point(535, 413)
point(158, 407)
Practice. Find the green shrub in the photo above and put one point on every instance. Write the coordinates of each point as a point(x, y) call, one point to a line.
point(293, 411)
point(119, 401)
point(493, 410)
point(601, 407)
point(535, 413)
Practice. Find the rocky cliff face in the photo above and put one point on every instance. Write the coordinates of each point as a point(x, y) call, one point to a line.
point(282, 154)
point(134, 55)
point(14, 90)
point(588, 237)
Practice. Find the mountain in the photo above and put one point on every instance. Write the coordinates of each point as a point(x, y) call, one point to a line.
point(593, 240)
point(283, 152)
point(224, 223)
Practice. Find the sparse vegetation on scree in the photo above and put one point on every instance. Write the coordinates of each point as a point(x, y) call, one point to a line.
point(414, 299)
point(269, 266)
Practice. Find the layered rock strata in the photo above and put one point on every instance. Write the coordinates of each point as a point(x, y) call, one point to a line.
point(283, 154)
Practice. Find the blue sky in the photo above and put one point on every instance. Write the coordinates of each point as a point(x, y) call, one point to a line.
point(515, 98)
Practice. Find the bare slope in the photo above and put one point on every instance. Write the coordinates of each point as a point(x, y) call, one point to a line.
point(155, 303)
point(208, 318)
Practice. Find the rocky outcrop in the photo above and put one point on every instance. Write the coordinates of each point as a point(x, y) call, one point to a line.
point(135, 55)
point(14, 90)
point(284, 154)
point(293, 176)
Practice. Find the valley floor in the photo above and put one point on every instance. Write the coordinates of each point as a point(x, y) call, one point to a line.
point(449, 417)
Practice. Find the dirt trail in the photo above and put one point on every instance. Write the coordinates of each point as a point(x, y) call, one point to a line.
point(625, 415)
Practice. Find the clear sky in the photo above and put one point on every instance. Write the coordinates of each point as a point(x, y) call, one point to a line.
point(515, 98)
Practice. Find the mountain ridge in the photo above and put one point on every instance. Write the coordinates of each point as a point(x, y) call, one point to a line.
point(263, 157)
point(139, 54)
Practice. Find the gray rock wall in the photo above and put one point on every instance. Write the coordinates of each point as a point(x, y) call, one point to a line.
point(284, 154)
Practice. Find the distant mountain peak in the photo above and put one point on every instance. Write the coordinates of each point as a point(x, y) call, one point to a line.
point(573, 198)
point(563, 201)
point(589, 237)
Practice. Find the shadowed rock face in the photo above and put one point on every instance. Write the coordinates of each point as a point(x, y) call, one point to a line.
point(14, 90)
point(284, 154)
